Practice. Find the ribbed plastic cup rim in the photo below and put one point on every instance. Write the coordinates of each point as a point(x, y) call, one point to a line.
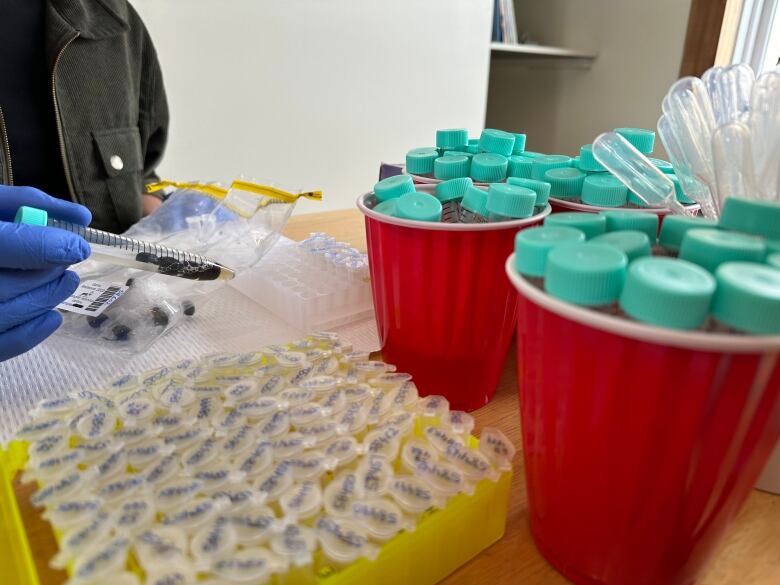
point(449, 227)
point(574, 206)
point(696, 340)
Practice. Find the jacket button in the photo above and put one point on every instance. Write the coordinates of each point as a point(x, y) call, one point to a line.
point(116, 162)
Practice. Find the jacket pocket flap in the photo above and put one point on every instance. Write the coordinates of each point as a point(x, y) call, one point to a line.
point(120, 150)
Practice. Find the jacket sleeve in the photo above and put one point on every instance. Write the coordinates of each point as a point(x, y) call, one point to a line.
point(153, 116)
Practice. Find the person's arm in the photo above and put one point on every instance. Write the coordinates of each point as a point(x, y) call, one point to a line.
point(153, 117)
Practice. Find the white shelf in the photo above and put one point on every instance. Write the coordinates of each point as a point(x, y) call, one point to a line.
point(540, 51)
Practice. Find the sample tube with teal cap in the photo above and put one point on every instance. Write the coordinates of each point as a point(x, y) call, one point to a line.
point(534, 244)
point(592, 224)
point(497, 142)
point(450, 194)
point(418, 207)
point(565, 182)
point(667, 292)
point(603, 190)
point(541, 188)
point(632, 220)
point(115, 249)
point(489, 167)
point(634, 243)
point(586, 274)
point(709, 248)
point(473, 206)
point(419, 161)
point(747, 299)
point(506, 202)
point(393, 187)
point(542, 164)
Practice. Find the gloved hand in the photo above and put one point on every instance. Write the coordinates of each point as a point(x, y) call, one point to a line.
point(33, 262)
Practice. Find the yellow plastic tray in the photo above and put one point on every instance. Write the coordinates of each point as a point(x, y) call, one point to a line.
point(443, 540)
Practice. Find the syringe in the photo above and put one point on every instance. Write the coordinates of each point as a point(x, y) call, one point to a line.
point(114, 249)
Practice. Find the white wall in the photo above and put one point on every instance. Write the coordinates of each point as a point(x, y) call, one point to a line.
point(639, 43)
point(315, 93)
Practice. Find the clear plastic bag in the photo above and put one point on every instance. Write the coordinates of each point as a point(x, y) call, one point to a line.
point(234, 226)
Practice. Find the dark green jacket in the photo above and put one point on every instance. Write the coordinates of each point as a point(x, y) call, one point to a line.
point(110, 105)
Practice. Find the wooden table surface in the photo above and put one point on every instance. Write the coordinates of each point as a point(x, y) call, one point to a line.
point(749, 555)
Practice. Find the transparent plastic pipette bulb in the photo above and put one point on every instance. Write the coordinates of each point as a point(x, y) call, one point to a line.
point(731, 147)
point(692, 187)
point(635, 171)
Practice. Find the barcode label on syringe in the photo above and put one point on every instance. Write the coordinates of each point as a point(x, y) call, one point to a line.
point(92, 297)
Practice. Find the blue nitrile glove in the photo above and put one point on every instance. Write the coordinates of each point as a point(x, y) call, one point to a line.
point(33, 262)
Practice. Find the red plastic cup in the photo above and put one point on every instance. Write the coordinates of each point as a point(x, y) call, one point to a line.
point(640, 444)
point(444, 307)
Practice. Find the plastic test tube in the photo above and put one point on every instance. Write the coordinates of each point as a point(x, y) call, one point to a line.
point(114, 249)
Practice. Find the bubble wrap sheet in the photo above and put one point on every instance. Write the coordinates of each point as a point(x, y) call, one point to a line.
point(230, 322)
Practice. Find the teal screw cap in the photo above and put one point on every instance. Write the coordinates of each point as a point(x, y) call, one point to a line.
point(674, 227)
point(748, 297)
point(510, 200)
point(468, 155)
point(392, 187)
point(667, 292)
point(588, 162)
point(709, 248)
point(585, 274)
point(452, 137)
point(632, 220)
point(472, 149)
point(488, 167)
point(451, 167)
point(453, 189)
point(386, 207)
point(603, 190)
point(31, 216)
point(634, 243)
point(533, 245)
point(475, 201)
point(541, 188)
point(592, 224)
point(634, 199)
point(532, 154)
point(772, 246)
point(773, 260)
point(678, 191)
point(662, 165)
point(420, 160)
point(761, 218)
point(519, 145)
point(542, 164)
point(497, 141)
point(565, 182)
point(418, 206)
point(519, 166)
point(641, 139)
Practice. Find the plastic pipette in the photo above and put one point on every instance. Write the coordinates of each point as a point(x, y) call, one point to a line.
point(765, 132)
point(692, 186)
point(635, 171)
point(115, 249)
point(732, 151)
point(730, 92)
